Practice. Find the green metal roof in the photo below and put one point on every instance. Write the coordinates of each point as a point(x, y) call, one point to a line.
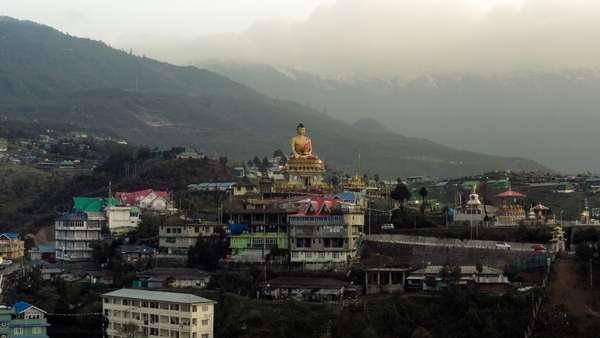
point(170, 297)
point(93, 204)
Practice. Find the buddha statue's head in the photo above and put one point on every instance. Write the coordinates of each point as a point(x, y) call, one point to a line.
point(301, 130)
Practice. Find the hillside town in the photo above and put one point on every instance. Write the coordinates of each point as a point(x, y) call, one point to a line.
point(311, 234)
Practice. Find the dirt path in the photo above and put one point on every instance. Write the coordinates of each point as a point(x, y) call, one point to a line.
point(567, 307)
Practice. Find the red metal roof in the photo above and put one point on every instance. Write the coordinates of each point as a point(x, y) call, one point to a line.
point(317, 207)
point(510, 193)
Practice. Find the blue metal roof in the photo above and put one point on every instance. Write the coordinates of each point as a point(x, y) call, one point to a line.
point(44, 248)
point(10, 234)
point(21, 306)
point(346, 196)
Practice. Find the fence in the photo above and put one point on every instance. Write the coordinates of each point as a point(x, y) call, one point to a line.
point(533, 262)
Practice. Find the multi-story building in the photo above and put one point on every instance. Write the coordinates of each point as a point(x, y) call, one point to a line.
point(176, 239)
point(11, 246)
point(22, 320)
point(259, 226)
point(325, 233)
point(74, 232)
point(158, 314)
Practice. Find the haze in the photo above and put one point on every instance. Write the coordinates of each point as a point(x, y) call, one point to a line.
point(401, 37)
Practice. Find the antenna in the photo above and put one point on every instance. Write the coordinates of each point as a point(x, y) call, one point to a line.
point(358, 161)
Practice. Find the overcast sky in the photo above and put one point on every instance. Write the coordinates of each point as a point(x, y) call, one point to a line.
point(396, 36)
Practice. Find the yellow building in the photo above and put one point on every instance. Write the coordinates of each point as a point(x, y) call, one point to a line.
point(11, 246)
point(158, 314)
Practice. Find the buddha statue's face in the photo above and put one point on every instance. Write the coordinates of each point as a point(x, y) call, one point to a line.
point(301, 131)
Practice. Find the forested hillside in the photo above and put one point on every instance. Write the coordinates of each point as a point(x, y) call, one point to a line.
point(47, 76)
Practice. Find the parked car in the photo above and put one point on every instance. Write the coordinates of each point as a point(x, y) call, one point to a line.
point(388, 226)
point(7, 262)
point(538, 247)
point(2, 267)
point(502, 245)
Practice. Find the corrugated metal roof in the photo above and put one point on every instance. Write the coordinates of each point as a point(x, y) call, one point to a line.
point(170, 297)
point(306, 282)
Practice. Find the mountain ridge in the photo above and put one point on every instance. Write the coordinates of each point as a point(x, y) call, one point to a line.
point(47, 75)
point(547, 116)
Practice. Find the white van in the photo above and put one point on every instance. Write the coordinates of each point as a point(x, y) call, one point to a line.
point(388, 226)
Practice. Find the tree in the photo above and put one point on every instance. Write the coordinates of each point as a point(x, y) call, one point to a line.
point(335, 181)
point(265, 162)
point(400, 193)
point(189, 206)
point(423, 193)
point(479, 267)
point(421, 332)
point(376, 177)
point(130, 330)
point(483, 186)
point(148, 226)
point(278, 153)
point(256, 161)
point(223, 161)
point(250, 164)
point(283, 160)
point(450, 273)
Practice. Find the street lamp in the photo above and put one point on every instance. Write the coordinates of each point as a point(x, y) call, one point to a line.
point(561, 217)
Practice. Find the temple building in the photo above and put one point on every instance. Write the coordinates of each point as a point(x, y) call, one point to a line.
point(354, 184)
point(512, 207)
point(303, 170)
point(474, 209)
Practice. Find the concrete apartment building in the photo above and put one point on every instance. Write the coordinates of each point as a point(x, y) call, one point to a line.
point(325, 233)
point(176, 239)
point(75, 231)
point(158, 314)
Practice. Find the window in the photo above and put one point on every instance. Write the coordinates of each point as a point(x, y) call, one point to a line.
point(36, 329)
point(204, 321)
point(174, 307)
point(18, 330)
point(194, 308)
point(204, 308)
point(154, 331)
point(321, 255)
point(205, 335)
point(308, 255)
point(295, 254)
point(336, 255)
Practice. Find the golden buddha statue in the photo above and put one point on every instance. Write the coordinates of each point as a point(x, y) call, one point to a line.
point(301, 145)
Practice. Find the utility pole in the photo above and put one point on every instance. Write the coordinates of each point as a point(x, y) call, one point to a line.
point(368, 206)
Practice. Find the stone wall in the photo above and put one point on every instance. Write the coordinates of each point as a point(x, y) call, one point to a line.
point(419, 256)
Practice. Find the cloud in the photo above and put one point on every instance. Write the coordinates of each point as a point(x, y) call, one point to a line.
point(404, 37)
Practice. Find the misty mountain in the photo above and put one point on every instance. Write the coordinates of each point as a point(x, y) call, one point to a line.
point(49, 76)
point(551, 117)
